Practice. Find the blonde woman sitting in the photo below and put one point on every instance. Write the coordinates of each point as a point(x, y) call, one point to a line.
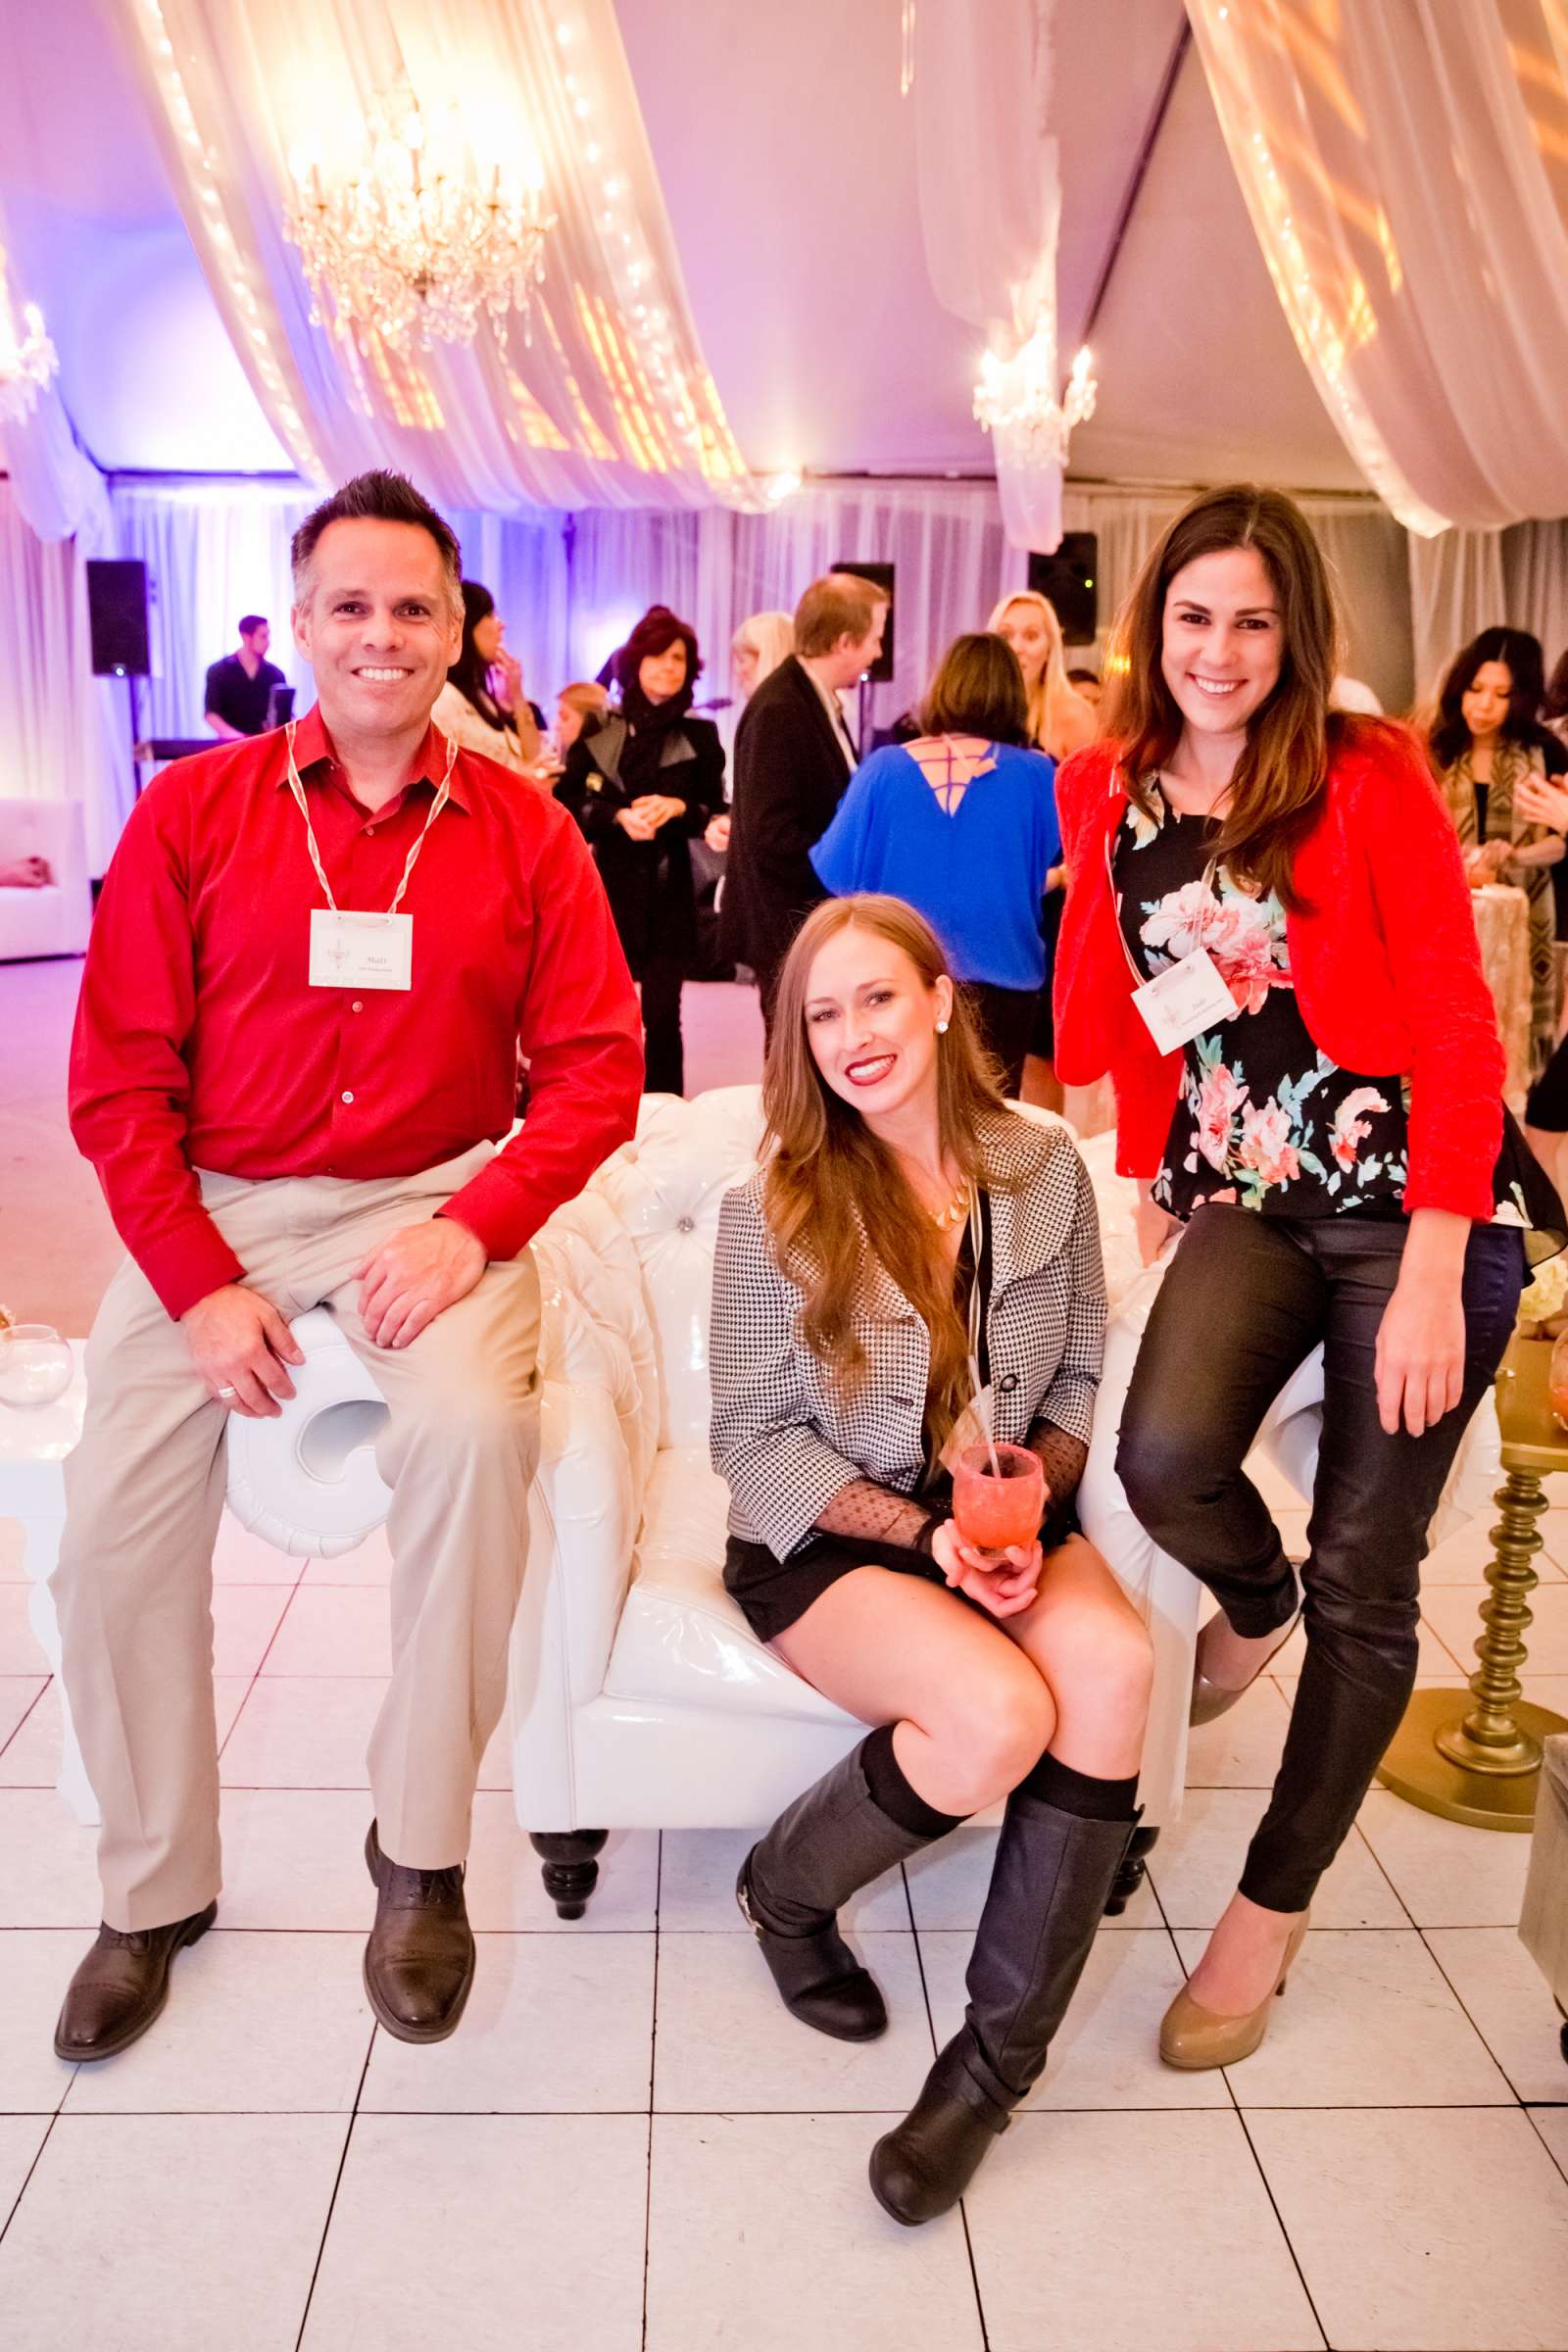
point(905, 1221)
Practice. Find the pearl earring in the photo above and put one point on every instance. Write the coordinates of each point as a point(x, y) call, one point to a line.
point(942, 1028)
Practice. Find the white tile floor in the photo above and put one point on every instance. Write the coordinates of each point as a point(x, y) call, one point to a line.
point(629, 2144)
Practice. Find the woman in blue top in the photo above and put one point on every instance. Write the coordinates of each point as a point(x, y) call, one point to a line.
point(962, 824)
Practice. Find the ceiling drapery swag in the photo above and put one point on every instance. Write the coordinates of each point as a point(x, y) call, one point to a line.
point(1405, 165)
point(990, 209)
point(27, 358)
point(607, 401)
point(58, 492)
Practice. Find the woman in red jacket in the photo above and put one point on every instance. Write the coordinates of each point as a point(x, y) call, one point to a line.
point(1269, 946)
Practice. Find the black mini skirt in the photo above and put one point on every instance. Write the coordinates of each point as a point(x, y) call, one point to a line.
point(773, 1593)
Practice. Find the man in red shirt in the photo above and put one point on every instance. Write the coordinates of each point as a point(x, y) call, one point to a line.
point(314, 963)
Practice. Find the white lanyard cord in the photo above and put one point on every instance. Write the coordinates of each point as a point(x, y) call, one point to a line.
point(437, 805)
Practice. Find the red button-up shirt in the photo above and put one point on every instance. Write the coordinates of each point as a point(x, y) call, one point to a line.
point(200, 1044)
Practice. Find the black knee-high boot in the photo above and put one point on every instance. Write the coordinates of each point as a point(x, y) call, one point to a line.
point(851, 1826)
point(1062, 1839)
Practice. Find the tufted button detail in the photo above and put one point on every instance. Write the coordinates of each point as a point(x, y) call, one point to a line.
point(685, 1224)
point(1008, 1383)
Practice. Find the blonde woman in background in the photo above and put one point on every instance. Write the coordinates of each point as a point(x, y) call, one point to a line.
point(1062, 722)
point(756, 648)
point(579, 707)
point(755, 651)
point(1061, 719)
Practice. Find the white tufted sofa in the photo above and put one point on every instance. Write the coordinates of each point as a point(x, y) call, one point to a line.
point(639, 1695)
point(55, 919)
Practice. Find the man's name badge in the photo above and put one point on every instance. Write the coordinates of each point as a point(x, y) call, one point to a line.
point(1180, 1003)
point(360, 950)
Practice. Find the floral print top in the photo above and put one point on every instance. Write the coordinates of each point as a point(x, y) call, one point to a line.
point(1264, 1119)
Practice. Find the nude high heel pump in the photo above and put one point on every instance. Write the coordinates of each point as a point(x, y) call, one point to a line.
point(1210, 1700)
point(1194, 2038)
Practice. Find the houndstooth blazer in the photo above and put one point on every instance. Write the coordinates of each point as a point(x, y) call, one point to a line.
point(785, 1441)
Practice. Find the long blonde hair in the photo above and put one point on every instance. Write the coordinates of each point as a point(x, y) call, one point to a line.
point(832, 1192)
point(770, 636)
point(1060, 720)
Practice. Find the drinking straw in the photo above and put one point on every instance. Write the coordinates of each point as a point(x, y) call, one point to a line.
point(990, 1443)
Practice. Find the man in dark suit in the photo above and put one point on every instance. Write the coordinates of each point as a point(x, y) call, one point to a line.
point(793, 759)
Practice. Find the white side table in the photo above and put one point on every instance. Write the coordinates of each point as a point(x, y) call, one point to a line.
point(33, 1446)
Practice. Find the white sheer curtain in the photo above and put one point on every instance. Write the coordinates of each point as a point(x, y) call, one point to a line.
point(946, 540)
point(1468, 582)
point(1535, 581)
point(990, 210)
point(64, 734)
point(1455, 590)
point(214, 551)
point(1364, 546)
point(1407, 169)
point(611, 400)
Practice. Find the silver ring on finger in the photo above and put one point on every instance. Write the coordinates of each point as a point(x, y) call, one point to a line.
point(228, 1392)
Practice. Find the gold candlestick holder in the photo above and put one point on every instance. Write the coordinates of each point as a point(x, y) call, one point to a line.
point(1481, 1764)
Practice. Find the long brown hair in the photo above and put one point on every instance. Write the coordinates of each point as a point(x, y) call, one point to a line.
point(832, 1192)
point(1280, 780)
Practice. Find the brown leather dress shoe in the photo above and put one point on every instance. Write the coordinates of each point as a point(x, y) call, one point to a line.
point(120, 1987)
point(419, 1962)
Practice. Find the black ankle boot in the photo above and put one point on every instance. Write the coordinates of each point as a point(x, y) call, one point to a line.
point(923, 2168)
point(818, 1977)
point(832, 1841)
point(1029, 1953)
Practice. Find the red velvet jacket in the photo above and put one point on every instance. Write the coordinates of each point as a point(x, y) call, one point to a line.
point(1385, 961)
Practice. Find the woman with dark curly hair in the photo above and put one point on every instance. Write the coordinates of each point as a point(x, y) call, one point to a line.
point(643, 786)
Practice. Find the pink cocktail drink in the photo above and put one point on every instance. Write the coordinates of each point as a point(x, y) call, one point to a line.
point(997, 1508)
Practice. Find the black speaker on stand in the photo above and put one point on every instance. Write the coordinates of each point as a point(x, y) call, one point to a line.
point(1068, 582)
point(880, 575)
point(116, 620)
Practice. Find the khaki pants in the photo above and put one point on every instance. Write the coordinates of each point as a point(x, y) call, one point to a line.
point(145, 1489)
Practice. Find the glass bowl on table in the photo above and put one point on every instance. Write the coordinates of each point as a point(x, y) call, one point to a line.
point(999, 1496)
point(35, 1366)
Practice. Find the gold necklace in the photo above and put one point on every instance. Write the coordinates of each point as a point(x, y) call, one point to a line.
point(944, 1219)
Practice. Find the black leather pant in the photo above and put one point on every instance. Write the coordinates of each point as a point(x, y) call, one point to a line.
point(1244, 1303)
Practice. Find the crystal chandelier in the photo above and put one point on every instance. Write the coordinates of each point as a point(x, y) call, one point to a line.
point(27, 355)
point(417, 241)
point(1017, 399)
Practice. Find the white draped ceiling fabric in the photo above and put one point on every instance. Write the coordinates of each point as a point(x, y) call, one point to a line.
point(611, 404)
point(990, 210)
point(1405, 165)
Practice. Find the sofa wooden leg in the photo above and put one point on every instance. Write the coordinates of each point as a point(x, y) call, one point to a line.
point(1131, 1875)
point(570, 1866)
